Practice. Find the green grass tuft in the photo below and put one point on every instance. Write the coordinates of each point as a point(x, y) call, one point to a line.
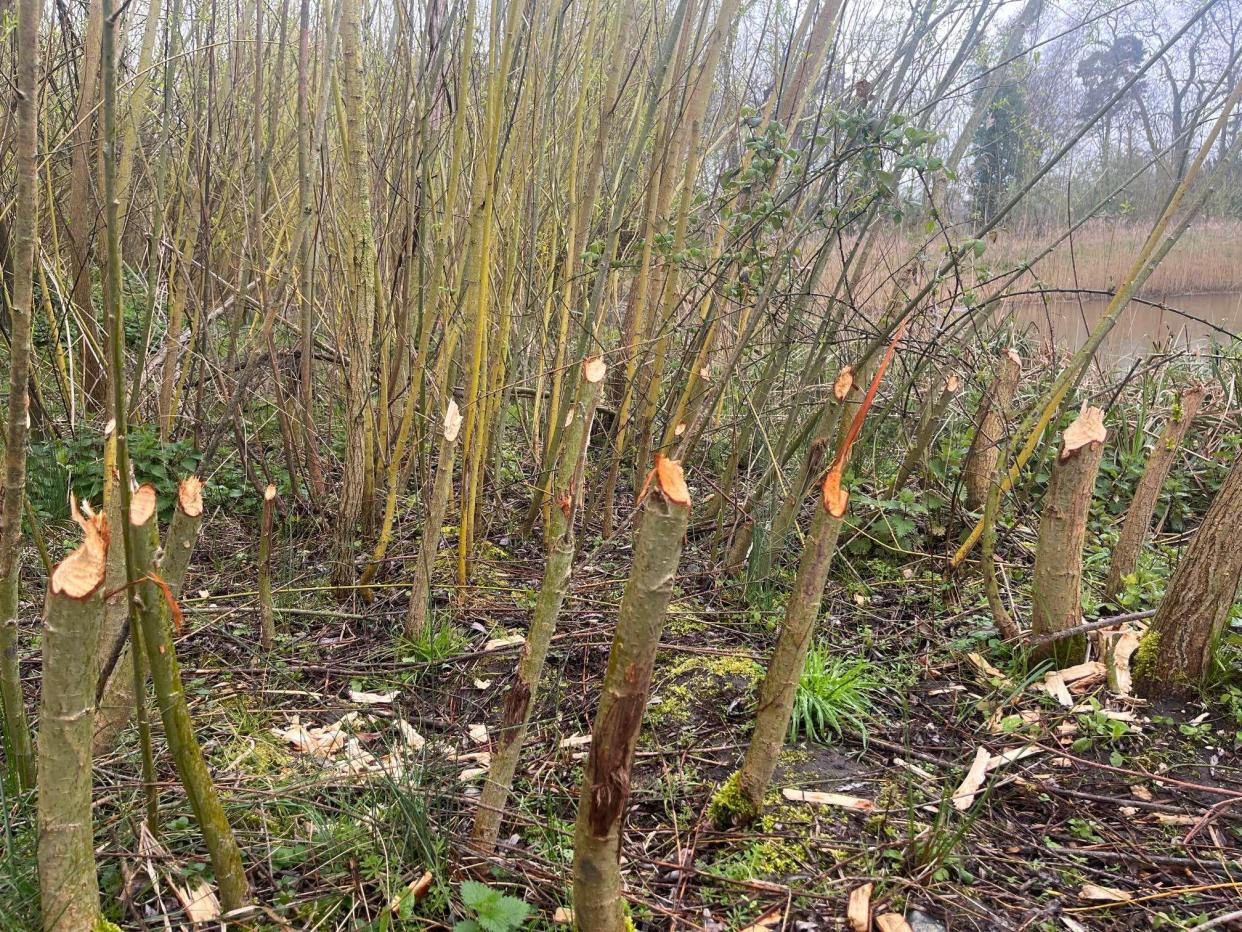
point(834, 694)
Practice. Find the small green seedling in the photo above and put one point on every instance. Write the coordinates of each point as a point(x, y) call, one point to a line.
point(492, 911)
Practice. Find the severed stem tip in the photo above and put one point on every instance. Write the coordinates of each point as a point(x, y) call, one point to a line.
point(81, 573)
point(190, 496)
point(142, 505)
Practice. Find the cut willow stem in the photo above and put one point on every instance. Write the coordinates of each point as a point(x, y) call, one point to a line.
point(1147, 493)
point(119, 693)
point(68, 884)
point(1004, 622)
point(17, 741)
point(523, 692)
point(776, 696)
point(1156, 247)
point(741, 798)
point(155, 617)
point(598, 901)
point(442, 489)
point(1056, 581)
point(992, 428)
point(1176, 654)
point(267, 624)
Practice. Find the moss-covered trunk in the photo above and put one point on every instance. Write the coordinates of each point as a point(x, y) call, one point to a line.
point(157, 635)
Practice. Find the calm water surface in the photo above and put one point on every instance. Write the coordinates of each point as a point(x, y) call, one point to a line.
point(1064, 324)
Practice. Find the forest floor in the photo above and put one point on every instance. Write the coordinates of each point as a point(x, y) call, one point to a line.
point(1118, 816)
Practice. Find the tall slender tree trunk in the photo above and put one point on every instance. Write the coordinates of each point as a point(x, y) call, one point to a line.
point(1147, 492)
point(1175, 655)
point(358, 316)
point(17, 425)
point(441, 492)
point(1056, 581)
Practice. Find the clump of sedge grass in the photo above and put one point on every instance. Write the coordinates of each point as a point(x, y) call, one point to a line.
point(834, 693)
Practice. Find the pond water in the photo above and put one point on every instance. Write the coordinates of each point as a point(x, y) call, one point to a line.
point(1185, 322)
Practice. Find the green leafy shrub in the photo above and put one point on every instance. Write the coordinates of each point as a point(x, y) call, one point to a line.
point(490, 910)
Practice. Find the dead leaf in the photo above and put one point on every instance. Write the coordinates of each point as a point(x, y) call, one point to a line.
point(978, 661)
point(827, 799)
point(892, 922)
point(774, 918)
point(1087, 428)
point(1138, 791)
point(858, 911)
point(365, 698)
point(411, 737)
point(672, 480)
point(575, 741)
point(1092, 891)
point(477, 733)
point(500, 643)
point(968, 789)
point(563, 916)
point(471, 773)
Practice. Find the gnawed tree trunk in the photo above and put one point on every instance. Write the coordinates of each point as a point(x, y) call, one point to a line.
point(116, 660)
point(442, 489)
point(1147, 492)
point(68, 886)
point(1175, 655)
point(17, 426)
point(991, 426)
point(598, 903)
point(522, 693)
point(1056, 584)
point(742, 798)
point(157, 634)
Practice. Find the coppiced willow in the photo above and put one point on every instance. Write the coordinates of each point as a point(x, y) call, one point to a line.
point(386, 294)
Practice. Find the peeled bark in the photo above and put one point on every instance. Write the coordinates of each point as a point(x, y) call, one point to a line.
point(991, 427)
point(520, 699)
point(157, 634)
point(1056, 584)
point(1147, 492)
point(68, 887)
point(442, 489)
point(598, 902)
point(17, 426)
point(1175, 656)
